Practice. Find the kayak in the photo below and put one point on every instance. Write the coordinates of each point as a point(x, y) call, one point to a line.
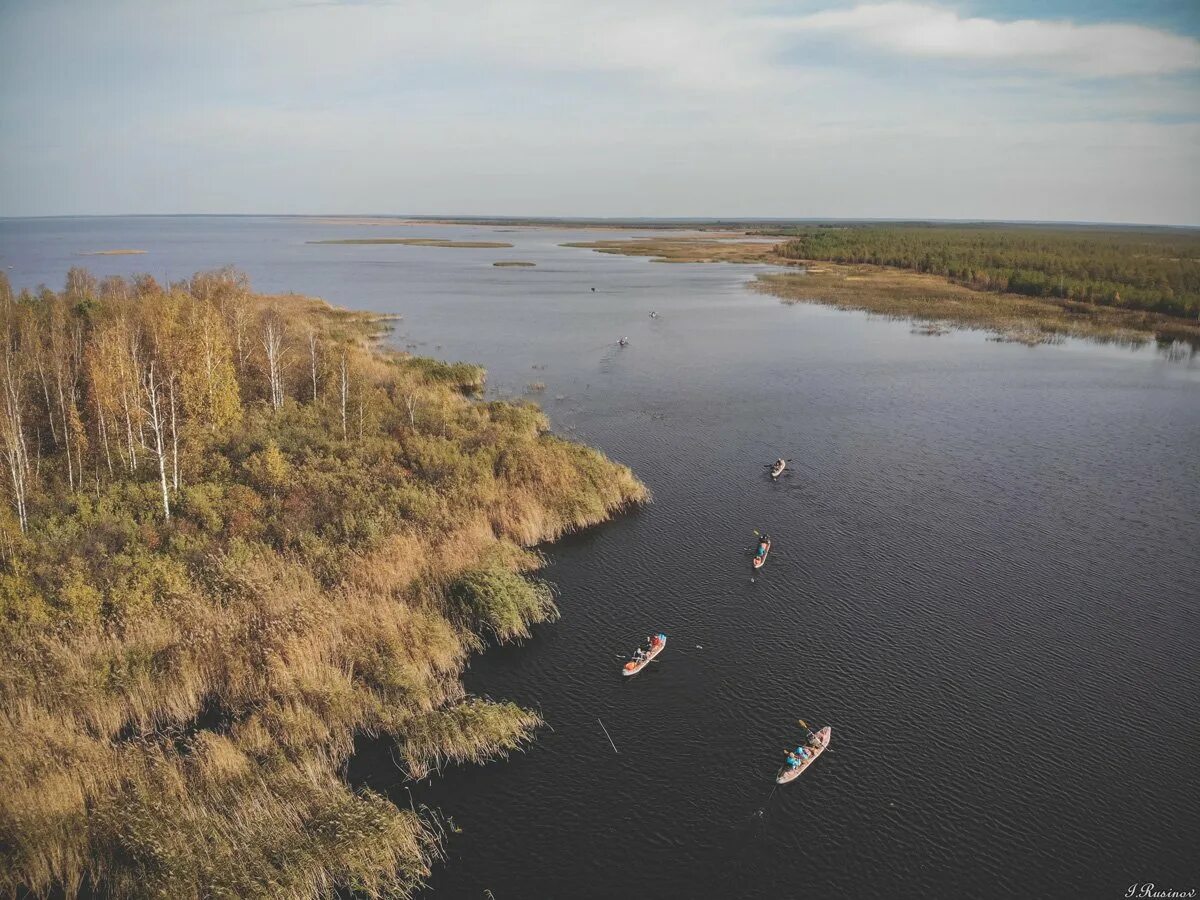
point(760, 560)
point(777, 468)
point(632, 668)
point(787, 774)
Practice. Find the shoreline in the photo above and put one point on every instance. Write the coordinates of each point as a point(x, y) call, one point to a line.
point(917, 297)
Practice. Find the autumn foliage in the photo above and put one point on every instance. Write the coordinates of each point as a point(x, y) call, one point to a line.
point(235, 535)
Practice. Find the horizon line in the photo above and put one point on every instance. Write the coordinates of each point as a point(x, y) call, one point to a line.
point(672, 220)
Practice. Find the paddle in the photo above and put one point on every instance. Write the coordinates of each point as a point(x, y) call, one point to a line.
point(607, 735)
point(811, 734)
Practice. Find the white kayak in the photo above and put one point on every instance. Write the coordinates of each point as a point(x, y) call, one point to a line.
point(787, 773)
point(633, 667)
point(778, 467)
point(759, 561)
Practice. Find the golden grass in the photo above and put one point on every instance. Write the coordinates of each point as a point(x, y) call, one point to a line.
point(689, 249)
point(929, 298)
point(113, 252)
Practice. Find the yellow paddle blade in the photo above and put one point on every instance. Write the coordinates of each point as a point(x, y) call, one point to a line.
point(802, 722)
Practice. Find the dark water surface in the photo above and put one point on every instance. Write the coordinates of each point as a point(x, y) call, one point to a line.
point(985, 577)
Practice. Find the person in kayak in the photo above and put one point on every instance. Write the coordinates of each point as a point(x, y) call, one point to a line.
point(763, 543)
point(797, 757)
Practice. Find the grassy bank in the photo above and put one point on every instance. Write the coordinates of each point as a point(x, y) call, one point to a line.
point(689, 249)
point(236, 534)
point(923, 297)
point(930, 299)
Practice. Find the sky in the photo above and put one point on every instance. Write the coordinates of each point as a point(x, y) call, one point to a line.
point(1058, 110)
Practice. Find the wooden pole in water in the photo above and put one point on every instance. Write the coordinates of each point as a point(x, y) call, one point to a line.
point(609, 736)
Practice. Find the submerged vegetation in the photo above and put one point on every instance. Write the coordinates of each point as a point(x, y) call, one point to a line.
point(235, 535)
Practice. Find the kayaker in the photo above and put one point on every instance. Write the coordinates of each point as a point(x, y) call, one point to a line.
point(763, 542)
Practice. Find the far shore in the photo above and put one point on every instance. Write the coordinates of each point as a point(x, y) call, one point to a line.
point(112, 252)
point(419, 242)
point(501, 224)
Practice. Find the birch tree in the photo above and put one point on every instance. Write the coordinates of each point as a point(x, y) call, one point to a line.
point(312, 362)
point(272, 343)
point(12, 426)
point(345, 391)
point(152, 385)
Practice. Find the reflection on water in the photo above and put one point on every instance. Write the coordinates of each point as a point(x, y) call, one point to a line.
point(983, 575)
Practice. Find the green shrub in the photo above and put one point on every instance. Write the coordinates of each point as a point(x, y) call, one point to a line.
point(503, 602)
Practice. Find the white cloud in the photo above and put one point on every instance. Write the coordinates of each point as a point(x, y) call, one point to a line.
point(700, 107)
point(1056, 46)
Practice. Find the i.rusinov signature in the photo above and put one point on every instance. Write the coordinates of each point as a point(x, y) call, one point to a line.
point(1150, 889)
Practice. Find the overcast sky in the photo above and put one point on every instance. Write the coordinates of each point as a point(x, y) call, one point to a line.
point(1083, 110)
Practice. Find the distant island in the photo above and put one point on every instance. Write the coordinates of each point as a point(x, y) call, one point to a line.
point(515, 262)
point(112, 252)
point(237, 534)
point(418, 242)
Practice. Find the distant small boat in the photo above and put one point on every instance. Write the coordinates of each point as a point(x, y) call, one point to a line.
point(777, 467)
point(622, 342)
point(760, 559)
point(790, 773)
point(636, 665)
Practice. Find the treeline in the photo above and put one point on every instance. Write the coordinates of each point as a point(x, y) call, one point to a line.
point(234, 536)
point(1152, 270)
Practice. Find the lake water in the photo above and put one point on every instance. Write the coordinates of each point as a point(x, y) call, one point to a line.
point(985, 577)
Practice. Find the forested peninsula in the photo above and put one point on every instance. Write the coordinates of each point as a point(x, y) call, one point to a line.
point(1026, 283)
point(236, 534)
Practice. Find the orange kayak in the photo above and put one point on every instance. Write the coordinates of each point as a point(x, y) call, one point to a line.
point(632, 667)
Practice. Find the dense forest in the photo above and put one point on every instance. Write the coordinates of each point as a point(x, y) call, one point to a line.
point(1157, 270)
point(235, 535)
